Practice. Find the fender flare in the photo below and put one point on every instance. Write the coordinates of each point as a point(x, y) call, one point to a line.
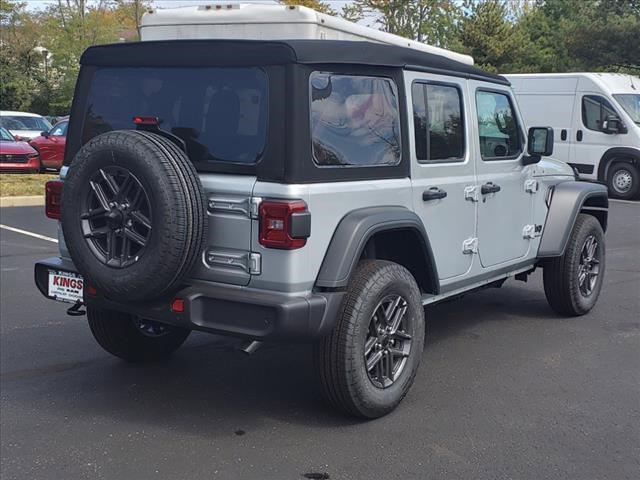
point(352, 234)
point(567, 200)
point(622, 153)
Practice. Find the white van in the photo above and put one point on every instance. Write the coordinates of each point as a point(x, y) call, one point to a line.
point(596, 121)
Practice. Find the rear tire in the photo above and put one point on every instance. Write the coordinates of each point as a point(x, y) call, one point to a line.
point(127, 337)
point(362, 335)
point(623, 181)
point(569, 284)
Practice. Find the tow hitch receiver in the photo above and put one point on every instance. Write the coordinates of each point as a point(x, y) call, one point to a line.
point(76, 310)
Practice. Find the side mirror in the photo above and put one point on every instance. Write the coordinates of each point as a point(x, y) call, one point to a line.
point(612, 125)
point(540, 141)
point(44, 134)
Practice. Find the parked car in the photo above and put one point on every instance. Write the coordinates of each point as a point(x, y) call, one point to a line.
point(23, 126)
point(596, 118)
point(307, 191)
point(53, 119)
point(16, 156)
point(50, 145)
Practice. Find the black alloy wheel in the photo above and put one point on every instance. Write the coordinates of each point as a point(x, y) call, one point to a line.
point(388, 344)
point(116, 217)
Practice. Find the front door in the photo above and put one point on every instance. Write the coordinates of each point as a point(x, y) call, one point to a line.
point(505, 206)
point(590, 141)
point(442, 169)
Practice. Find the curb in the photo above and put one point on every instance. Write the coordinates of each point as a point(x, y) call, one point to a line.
point(26, 201)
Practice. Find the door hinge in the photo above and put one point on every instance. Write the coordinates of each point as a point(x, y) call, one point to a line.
point(470, 246)
point(532, 231)
point(248, 261)
point(242, 206)
point(531, 186)
point(471, 193)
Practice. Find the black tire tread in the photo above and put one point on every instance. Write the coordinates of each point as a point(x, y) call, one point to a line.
point(116, 334)
point(560, 286)
point(338, 386)
point(635, 188)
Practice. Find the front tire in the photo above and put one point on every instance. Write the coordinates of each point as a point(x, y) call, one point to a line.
point(367, 364)
point(623, 181)
point(572, 282)
point(134, 339)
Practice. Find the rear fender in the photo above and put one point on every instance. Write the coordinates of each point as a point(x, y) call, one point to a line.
point(353, 233)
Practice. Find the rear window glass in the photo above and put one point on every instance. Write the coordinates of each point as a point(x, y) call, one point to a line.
point(354, 120)
point(221, 113)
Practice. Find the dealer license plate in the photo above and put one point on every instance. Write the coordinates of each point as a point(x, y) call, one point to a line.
point(65, 286)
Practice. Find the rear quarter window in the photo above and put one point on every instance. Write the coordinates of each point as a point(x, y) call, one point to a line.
point(355, 120)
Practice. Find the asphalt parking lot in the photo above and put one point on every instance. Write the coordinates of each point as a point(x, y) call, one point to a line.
point(506, 390)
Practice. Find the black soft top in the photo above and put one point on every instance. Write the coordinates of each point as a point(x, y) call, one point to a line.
point(210, 53)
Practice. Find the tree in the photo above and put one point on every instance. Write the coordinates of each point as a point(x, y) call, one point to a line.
point(488, 35)
point(317, 5)
point(20, 65)
point(45, 83)
point(430, 21)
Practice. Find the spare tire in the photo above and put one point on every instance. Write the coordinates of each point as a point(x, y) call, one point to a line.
point(133, 214)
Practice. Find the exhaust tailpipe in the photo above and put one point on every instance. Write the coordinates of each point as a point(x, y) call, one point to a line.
point(250, 346)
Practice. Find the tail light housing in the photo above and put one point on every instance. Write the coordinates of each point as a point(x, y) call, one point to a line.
point(284, 224)
point(53, 198)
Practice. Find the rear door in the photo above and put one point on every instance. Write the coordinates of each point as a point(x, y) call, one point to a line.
point(442, 169)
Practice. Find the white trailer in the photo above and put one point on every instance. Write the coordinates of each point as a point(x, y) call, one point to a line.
point(596, 121)
point(250, 21)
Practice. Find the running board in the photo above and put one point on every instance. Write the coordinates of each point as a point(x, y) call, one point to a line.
point(428, 299)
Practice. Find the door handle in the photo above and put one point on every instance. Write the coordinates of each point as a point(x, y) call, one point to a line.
point(434, 193)
point(579, 135)
point(489, 187)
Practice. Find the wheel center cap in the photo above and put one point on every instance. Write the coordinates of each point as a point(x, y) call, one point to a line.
point(115, 218)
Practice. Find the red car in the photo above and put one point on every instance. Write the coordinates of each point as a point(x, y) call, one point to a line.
point(16, 156)
point(50, 145)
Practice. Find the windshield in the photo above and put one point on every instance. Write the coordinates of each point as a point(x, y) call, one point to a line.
point(221, 113)
point(5, 135)
point(631, 104)
point(22, 122)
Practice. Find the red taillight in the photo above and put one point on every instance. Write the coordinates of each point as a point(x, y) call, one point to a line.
point(53, 197)
point(284, 224)
point(177, 306)
point(146, 120)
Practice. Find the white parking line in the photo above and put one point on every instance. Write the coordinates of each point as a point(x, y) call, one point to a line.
point(624, 201)
point(31, 234)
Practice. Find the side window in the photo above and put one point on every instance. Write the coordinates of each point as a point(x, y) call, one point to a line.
point(355, 120)
point(497, 126)
point(595, 110)
point(438, 122)
point(60, 129)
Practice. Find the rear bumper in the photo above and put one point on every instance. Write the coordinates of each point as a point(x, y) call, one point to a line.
point(237, 311)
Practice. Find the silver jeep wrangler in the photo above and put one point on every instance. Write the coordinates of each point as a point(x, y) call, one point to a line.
point(306, 190)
